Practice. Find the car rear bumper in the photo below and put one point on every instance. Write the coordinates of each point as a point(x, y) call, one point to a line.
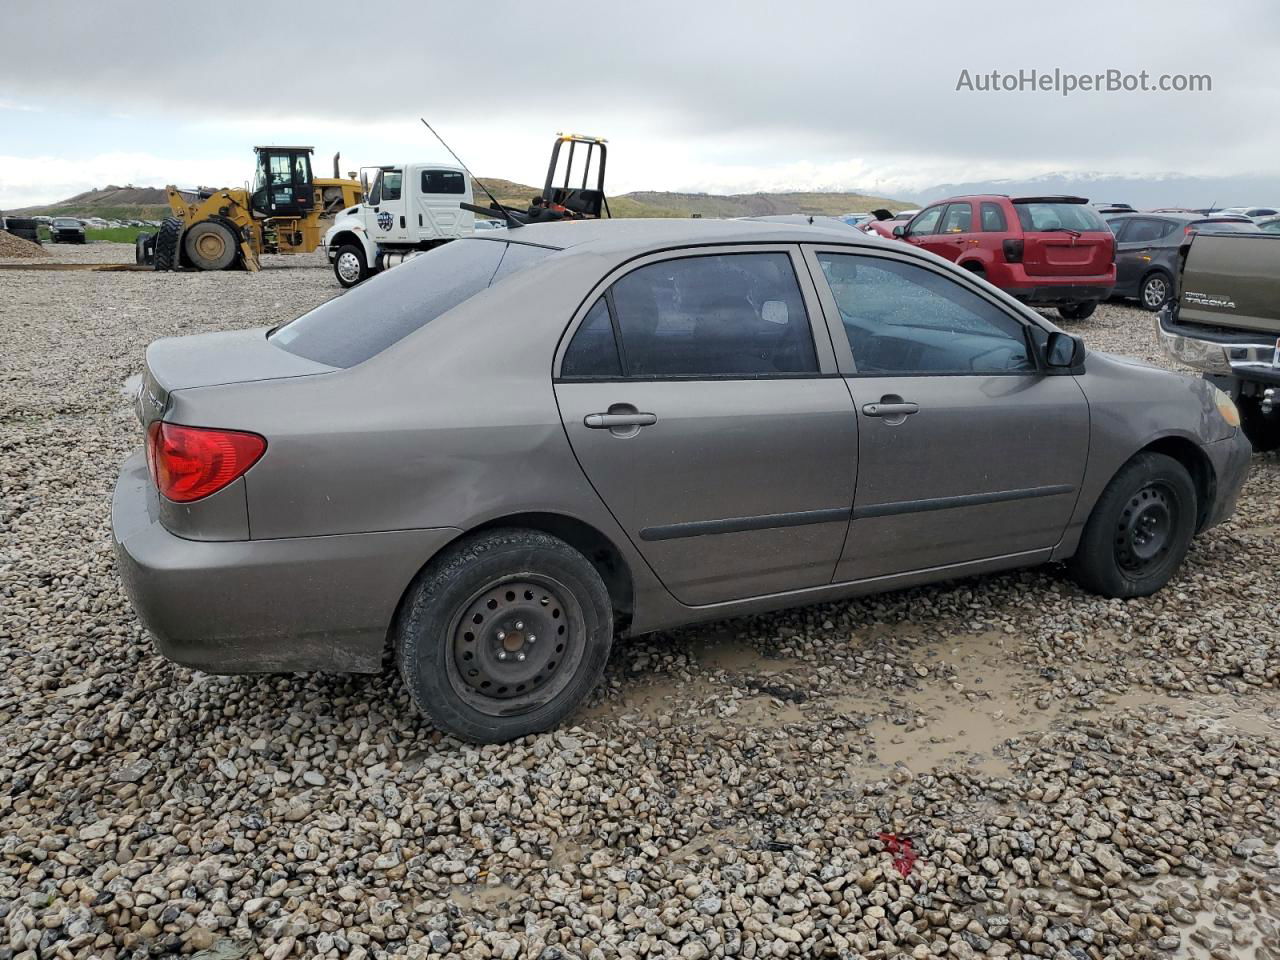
point(1230, 459)
point(1051, 294)
point(262, 606)
point(1247, 356)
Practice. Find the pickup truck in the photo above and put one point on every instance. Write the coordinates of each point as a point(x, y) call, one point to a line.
point(1225, 322)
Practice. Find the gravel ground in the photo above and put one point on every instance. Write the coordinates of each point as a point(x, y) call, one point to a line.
point(998, 767)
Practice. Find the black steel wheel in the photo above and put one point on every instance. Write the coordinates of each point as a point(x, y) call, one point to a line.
point(503, 634)
point(1139, 530)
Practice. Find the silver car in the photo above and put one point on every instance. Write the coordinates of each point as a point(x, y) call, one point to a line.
point(494, 459)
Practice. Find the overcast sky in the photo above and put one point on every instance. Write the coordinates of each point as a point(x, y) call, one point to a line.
point(699, 96)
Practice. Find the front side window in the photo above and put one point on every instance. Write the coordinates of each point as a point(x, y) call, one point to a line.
point(925, 223)
point(391, 185)
point(443, 181)
point(958, 219)
point(729, 315)
point(903, 319)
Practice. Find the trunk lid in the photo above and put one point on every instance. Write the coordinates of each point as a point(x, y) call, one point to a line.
point(214, 359)
point(1064, 237)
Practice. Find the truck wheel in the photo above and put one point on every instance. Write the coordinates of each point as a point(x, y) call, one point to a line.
point(349, 266)
point(1155, 291)
point(166, 256)
point(1139, 529)
point(1262, 429)
point(210, 245)
point(503, 635)
point(1077, 311)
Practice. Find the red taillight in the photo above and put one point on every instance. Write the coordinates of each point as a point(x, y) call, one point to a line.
point(188, 463)
point(1012, 251)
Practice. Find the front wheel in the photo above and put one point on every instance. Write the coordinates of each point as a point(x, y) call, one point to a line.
point(1155, 291)
point(1140, 529)
point(350, 265)
point(1077, 311)
point(504, 635)
point(1262, 429)
point(210, 245)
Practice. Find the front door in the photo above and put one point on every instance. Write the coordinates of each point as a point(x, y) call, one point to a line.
point(955, 232)
point(709, 419)
point(1134, 251)
point(967, 450)
point(390, 223)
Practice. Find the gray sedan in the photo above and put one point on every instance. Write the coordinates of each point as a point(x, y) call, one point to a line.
point(493, 460)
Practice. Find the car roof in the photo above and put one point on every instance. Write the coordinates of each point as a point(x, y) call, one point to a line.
point(1153, 214)
point(642, 234)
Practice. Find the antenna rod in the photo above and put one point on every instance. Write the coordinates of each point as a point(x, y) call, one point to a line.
point(464, 167)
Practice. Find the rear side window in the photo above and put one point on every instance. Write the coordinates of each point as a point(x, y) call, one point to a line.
point(443, 181)
point(904, 320)
point(958, 219)
point(1045, 216)
point(1143, 230)
point(593, 352)
point(993, 220)
point(732, 315)
point(385, 309)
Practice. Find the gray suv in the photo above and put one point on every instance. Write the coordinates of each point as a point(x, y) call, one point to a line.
point(1147, 250)
point(492, 460)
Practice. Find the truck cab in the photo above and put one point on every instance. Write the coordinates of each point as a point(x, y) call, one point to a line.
point(409, 208)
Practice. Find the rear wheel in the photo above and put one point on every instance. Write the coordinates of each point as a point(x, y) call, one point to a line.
point(1262, 429)
point(166, 251)
point(1139, 530)
point(210, 245)
point(1154, 291)
point(504, 635)
point(1077, 311)
point(350, 266)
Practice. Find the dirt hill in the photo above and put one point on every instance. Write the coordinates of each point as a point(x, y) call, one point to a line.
point(148, 203)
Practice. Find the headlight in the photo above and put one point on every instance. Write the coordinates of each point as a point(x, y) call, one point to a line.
point(1226, 406)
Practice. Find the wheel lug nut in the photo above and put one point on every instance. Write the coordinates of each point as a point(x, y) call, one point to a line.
point(502, 654)
point(520, 656)
point(532, 638)
point(519, 624)
point(502, 634)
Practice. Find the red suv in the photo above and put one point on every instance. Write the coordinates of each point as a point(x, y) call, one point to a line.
point(1046, 251)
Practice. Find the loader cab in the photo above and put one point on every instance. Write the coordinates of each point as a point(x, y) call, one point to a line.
point(282, 184)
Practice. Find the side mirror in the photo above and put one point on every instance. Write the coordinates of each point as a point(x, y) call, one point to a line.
point(1063, 351)
point(899, 231)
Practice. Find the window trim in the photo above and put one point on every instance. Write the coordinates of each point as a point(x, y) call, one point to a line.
point(845, 361)
point(819, 331)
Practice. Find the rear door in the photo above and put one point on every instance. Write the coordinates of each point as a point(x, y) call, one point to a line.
point(437, 195)
point(1063, 239)
point(1134, 250)
point(711, 421)
point(967, 450)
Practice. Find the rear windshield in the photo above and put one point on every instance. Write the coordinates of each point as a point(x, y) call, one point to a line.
point(1225, 226)
point(385, 309)
point(1040, 216)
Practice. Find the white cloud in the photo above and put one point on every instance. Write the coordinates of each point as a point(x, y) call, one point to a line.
point(26, 181)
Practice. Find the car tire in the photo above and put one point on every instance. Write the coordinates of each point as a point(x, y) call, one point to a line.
point(1139, 530)
point(1077, 311)
point(503, 635)
point(1262, 429)
point(1155, 290)
point(210, 245)
point(350, 265)
point(166, 256)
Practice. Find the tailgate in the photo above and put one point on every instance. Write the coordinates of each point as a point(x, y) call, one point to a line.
point(1232, 280)
point(1058, 254)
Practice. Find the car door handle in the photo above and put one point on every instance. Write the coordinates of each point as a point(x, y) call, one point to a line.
point(608, 421)
point(900, 408)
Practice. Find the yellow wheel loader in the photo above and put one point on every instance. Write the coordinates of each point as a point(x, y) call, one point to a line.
point(286, 211)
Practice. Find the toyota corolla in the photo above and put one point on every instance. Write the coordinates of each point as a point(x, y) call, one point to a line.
point(493, 460)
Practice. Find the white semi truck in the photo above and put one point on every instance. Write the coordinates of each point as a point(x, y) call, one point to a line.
point(411, 207)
